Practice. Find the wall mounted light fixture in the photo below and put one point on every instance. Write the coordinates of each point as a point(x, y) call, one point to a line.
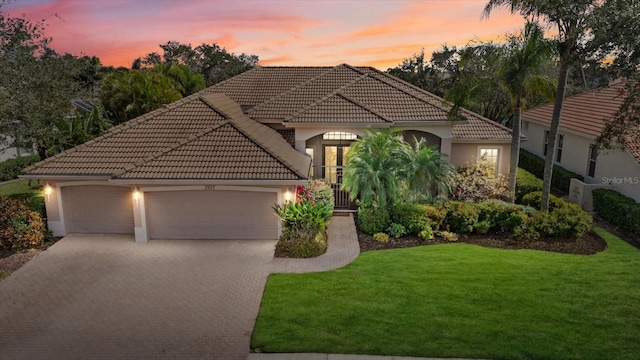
point(48, 190)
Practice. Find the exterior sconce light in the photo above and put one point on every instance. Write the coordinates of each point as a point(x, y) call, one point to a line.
point(48, 190)
point(136, 195)
point(287, 196)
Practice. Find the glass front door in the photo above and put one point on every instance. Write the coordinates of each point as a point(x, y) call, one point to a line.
point(334, 157)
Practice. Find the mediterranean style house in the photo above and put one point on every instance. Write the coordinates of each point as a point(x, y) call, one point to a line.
point(582, 120)
point(212, 165)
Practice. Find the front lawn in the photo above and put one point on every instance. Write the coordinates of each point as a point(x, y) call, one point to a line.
point(461, 300)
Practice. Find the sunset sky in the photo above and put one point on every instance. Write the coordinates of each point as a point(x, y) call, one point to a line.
point(291, 32)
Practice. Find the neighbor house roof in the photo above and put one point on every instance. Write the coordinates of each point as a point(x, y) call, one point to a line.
point(217, 133)
point(588, 112)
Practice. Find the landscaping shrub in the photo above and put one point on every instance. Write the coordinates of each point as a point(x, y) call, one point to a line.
point(397, 230)
point(564, 219)
point(534, 200)
point(304, 245)
point(20, 227)
point(373, 220)
point(500, 217)
point(426, 233)
point(617, 209)
point(10, 169)
point(461, 217)
point(412, 216)
point(304, 223)
point(534, 164)
point(448, 236)
point(526, 183)
point(314, 191)
point(381, 237)
point(479, 181)
point(436, 215)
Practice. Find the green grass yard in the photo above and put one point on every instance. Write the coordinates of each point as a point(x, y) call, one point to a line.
point(19, 187)
point(460, 300)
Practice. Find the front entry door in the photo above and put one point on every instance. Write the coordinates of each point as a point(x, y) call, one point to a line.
point(334, 158)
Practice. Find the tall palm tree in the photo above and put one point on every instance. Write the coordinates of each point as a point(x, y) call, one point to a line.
point(523, 73)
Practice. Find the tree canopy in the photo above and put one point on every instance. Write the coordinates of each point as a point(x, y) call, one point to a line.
point(37, 84)
point(213, 62)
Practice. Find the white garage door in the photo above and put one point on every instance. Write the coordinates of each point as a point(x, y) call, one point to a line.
point(96, 209)
point(218, 214)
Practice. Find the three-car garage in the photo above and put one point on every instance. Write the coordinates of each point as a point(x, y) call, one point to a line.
point(194, 212)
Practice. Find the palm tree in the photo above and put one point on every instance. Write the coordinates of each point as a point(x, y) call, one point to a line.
point(382, 168)
point(523, 73)
point(372, 167)
point(427, 171)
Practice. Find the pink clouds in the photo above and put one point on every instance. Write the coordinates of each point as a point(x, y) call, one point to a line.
point(377, 33)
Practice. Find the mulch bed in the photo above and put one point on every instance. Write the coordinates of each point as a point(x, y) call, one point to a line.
point(589, 244)
point(12, 260)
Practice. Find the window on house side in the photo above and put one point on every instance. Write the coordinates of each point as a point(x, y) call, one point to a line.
point(559, 152)
point(491, 156)
point(546, 143)
point(593, 155)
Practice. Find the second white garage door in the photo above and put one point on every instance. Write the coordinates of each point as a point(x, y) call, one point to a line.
point(218, 214)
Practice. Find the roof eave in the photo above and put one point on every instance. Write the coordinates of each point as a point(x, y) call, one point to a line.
point(481, 141)
point(65, 177)
point(288, 124)
point(207, 182)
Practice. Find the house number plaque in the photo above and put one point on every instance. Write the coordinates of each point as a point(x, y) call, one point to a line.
point(209, 187)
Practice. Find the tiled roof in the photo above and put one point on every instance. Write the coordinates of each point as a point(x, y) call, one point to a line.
point(198, 138)
point(480, 128)
point(216, 133)
point(345, 95)
point(586, 112)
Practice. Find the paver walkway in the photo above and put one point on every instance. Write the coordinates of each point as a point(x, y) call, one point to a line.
point(342, 249)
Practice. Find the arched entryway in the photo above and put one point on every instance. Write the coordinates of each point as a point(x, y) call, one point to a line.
point(329, 151)
point(432, 140)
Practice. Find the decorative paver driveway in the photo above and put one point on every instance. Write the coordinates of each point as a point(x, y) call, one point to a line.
point(98, 296)
point(105, 296)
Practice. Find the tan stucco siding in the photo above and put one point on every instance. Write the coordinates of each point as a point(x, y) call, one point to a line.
point(467, 153)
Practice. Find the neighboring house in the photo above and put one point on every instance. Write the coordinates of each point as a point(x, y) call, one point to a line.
point(582, 120)
point(211, 166)
point(9, 151)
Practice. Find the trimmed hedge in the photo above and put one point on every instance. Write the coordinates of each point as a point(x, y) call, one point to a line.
point(10, 169)
point(617, 209)
point(372, 220)
point(534, 164)
point(526, 183)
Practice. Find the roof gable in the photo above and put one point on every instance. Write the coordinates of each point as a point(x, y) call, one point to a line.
point(191, 140)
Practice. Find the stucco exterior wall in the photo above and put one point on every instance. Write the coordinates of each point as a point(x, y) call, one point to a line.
point(616, 167)
point(619, 169)
point(465, 153)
